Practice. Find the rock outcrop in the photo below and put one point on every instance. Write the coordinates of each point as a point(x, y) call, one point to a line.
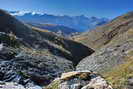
point(79, 80)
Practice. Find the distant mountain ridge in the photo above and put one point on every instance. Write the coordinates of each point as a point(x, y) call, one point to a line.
point(81, 23)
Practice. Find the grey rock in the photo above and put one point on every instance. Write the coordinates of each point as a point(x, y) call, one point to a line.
point(129, 83)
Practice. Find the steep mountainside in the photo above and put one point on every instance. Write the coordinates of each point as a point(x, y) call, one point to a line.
point(80, 23)
point(31, 56)
point(113, 44)
point(104, 34)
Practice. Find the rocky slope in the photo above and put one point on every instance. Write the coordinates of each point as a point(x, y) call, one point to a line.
point(113, 44)
point(31, 56)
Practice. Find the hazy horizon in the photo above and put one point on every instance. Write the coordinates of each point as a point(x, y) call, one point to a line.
point(89, 8)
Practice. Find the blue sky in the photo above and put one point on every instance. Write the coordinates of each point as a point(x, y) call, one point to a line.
point(99, 8)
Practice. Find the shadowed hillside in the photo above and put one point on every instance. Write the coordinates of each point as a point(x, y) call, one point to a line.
point(43, 40)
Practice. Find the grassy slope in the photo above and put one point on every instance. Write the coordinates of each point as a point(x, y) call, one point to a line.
point(119, 75)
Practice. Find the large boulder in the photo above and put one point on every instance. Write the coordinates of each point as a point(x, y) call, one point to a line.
point(79, 80)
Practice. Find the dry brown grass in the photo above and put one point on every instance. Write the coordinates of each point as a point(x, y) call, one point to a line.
point(40, 30)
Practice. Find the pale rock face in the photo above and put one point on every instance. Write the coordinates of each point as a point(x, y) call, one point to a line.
point(97, 83)
point(69, 74)
point(12, 85)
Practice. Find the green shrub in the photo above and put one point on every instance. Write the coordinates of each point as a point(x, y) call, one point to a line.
point(54, 85)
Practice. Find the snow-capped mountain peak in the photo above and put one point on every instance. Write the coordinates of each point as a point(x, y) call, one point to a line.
point(22, 13)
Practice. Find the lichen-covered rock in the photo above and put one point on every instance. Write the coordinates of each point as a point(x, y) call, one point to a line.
point(79, 80)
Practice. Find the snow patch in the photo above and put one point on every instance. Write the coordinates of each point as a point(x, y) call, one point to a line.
point(1, 46)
